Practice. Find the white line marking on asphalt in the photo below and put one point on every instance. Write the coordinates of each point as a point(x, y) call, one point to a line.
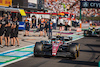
point(15, 61)
point(16, 49)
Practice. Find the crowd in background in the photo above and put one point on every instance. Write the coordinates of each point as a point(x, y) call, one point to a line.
point(57, 6)
point(8, 30)
point(44, 25)
point(92, 12)
point(9, 27)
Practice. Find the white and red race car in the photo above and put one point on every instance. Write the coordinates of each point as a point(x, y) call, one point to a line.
point(57, 46)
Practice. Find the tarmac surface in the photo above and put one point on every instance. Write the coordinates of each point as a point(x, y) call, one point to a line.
point(89, 57)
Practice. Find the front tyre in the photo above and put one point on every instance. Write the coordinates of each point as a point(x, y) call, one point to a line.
point(75, 55)
point(73, 50)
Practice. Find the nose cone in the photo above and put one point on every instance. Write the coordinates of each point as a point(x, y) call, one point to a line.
point(55, 49)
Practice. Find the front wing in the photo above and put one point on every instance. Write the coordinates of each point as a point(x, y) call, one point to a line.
point(49, 53)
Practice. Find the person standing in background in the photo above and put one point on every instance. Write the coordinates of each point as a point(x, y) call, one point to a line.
point(54, 23)
point(30, 21)
point(33, 22)
point(41, 26)
point(61, 24)
point(46, 27)
point(38, 27)
point(1, 31)
point(16, 25)
point(28, 24)
point(39, 20)
point(50, 29)
point(8, 30)
point(12, 33)
point(48, 21)
point(2, 28)
point(66, 25)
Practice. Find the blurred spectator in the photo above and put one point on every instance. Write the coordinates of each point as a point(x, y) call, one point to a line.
point(33, 22)
point(8, 30)
point(57, 6)
point(15, 31)
point(92, 12)
point(61, 24)
point(54, 23)
point(41, 26)
point(2, 26)
point(46, 28)
point(27, 26)
point(50, 29)
point(30, 21)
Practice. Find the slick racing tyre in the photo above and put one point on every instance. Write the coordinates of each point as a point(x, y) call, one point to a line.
point(75, 55)
point(38, 49)
point(78, 49)
point(73, 50)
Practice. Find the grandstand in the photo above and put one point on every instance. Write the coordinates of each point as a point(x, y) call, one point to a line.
point(71, 6)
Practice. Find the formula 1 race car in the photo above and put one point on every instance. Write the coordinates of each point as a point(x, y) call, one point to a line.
point(92, 32)
point(57, 46)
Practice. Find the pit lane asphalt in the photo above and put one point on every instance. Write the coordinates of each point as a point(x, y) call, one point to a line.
point(89, 57)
